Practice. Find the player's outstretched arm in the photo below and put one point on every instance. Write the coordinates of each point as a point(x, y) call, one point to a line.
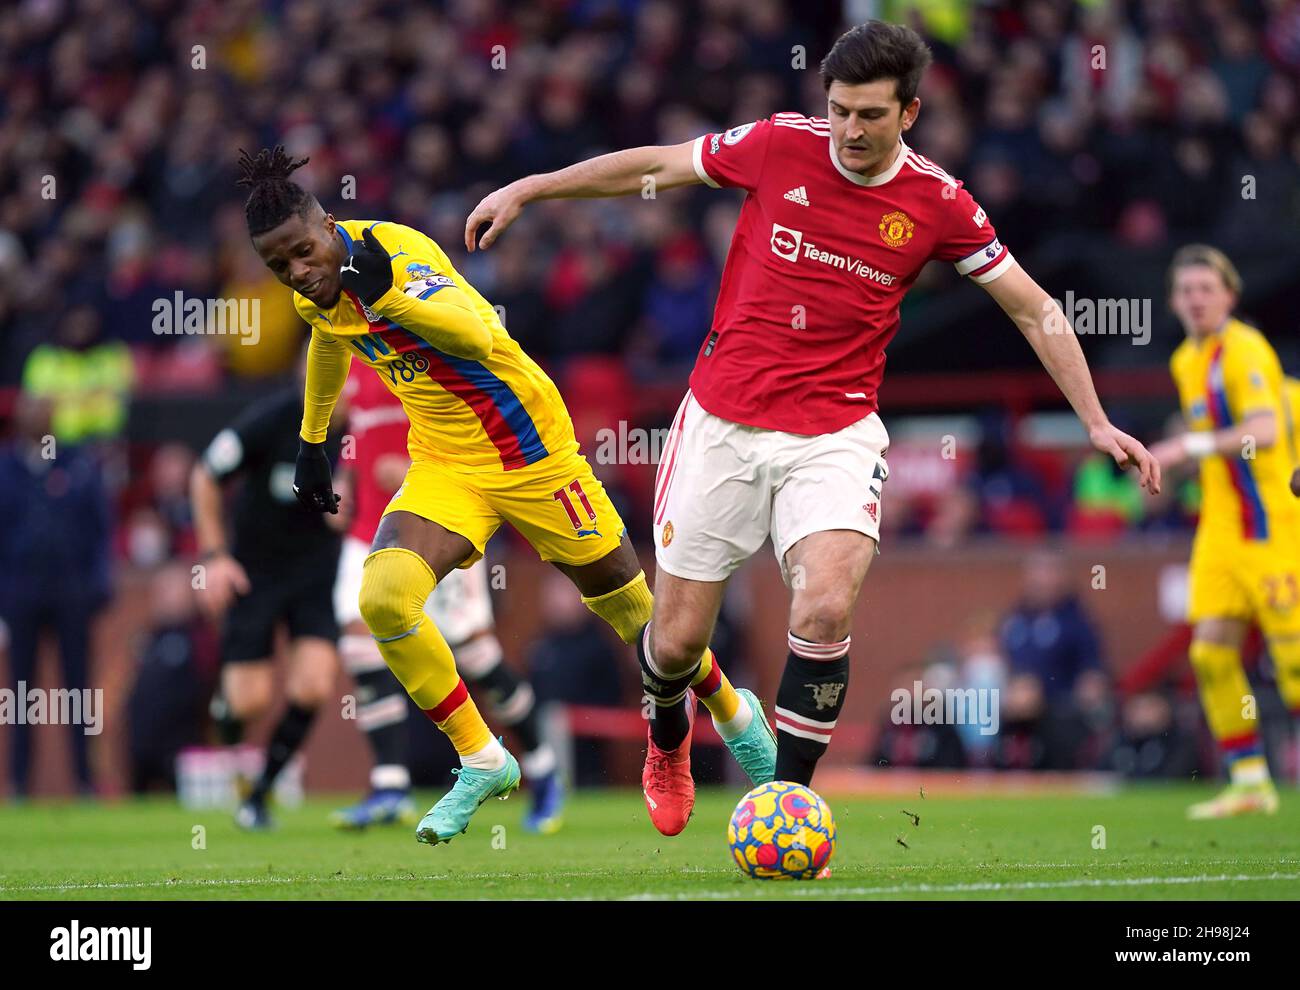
point(621, 173)
point(1050, 335)
point(1257, 431)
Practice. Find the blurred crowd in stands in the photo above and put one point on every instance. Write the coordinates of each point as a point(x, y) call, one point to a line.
point(119, 127)
point(120, 122)
point(1041, 669)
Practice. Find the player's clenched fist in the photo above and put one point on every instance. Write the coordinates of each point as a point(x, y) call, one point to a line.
point(500, 209)
point(312, 479)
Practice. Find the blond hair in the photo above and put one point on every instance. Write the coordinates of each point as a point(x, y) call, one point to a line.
point(1211, 257)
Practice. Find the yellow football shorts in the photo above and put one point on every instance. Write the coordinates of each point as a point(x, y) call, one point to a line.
point(1255, 581)
point(557, 504)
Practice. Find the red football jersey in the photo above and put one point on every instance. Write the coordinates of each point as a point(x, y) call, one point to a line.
point(819, 262)
point(378, 425)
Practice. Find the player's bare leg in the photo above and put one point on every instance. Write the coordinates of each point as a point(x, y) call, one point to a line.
point(825, 571)
point(1216, 657)
point(409, 555)
point(683, 624)
point(248, 688)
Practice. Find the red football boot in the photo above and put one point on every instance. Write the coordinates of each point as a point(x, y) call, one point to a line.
point(666, 780)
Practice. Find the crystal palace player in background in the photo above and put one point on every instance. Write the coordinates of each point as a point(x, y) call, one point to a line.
point(461, 608)
point(778, 434)
point(1245, 566)
point(490, 442)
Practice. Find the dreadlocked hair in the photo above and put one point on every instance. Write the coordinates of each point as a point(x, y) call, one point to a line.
point(274, 198)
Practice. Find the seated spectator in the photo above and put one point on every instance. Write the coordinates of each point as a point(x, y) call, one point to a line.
point(1151, 744)
point(575, 663)
point(908, 742)
point(1032, 736)
point(1048, 634)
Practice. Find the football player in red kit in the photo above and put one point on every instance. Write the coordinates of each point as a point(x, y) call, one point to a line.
point(778, 435)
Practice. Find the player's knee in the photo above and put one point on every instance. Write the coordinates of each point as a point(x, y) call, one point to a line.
point(675, 651)
point(308, 692)
point(248, 689)
point(821, 618)
point(1211, 660)
point(395, 583)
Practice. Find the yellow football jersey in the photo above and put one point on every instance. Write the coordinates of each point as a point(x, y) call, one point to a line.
point(497, 411)
point(1221, 380)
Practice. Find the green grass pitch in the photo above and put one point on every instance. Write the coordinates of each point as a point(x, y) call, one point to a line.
point(962, 849)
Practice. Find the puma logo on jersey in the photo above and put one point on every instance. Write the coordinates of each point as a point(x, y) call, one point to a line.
point(798, 195)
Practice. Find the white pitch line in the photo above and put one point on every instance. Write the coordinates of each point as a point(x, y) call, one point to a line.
point(975, 888)
point(920, 888)
point(272, 881)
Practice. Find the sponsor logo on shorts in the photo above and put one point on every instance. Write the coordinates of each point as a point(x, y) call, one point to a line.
point(667, 538)
point(871, 511)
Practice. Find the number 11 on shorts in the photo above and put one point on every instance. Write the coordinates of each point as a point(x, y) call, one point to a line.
point(561, 495)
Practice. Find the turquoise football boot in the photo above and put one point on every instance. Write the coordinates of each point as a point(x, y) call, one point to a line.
point(755, 748)
point(450, 816)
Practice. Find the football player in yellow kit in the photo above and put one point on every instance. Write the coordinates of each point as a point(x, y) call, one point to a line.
point(1245, 563)
point(490, 441)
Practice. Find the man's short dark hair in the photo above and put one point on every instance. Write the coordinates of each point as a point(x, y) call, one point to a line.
point(877, 50)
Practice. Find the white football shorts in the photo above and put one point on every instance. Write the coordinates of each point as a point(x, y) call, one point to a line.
point(723, 488)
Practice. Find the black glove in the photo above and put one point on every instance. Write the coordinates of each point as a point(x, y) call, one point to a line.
point(312, 481)
point(368, 271)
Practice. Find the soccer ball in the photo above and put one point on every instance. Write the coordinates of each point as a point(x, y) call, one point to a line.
point(781, 831)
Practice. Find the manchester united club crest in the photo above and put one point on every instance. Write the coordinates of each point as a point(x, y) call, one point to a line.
point(896, 228)
point(668, 532)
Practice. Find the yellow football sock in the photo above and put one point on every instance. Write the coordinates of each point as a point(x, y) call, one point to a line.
point(1229, 706)
point(711, 686)
point(395, 584)
point(627, 609)
point(1285, 651)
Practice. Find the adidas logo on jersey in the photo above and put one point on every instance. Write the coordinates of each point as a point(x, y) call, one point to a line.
point(798, 195)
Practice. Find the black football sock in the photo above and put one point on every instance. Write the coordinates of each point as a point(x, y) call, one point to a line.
point(288, 736)
point(512, 703)
point(230, 730)
point(381, 712)
point(669, 716)
point(808, 703)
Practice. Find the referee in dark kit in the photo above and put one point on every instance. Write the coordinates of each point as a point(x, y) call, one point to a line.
point(274, 565)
